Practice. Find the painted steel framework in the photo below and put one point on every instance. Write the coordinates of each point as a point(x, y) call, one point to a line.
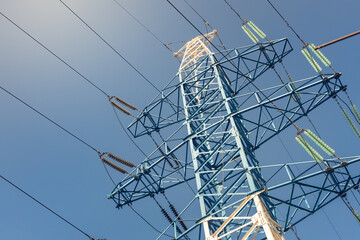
point(210, 119)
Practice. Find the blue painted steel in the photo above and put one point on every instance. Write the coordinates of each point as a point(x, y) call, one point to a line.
point(210, 119)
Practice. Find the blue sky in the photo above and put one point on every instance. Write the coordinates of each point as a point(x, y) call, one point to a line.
point(66, 175)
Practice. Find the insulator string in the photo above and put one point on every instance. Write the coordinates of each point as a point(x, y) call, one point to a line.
point(167, 216)
point(121, 160)
point(176, 214)
point(123, 102)
point(114, 166)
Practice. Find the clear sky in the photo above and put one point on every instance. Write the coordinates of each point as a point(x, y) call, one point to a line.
point(68, 176)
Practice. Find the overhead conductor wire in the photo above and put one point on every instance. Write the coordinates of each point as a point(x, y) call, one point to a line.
point(108, 44)
point(50, 120)
point(68, 65)
point(55, 55)
point(122, 126)
point(47, 208)
point(143, 25)
point(58, 125)
point(85, 78)
point(53, 122)
point(206, 23)
point(103, 40)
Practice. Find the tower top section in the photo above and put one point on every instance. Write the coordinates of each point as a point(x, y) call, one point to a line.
point(195, 49)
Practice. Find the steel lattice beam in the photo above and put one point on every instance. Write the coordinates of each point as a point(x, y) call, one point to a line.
point(213, 119)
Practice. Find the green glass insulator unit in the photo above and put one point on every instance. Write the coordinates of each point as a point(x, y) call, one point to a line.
point(352, 125)
point(320, 55)
point(256, 30)
point(310, 150)
point(250, 34)
point(319, 142)
point(356, 113)
point(311, 60)
point(356, 215)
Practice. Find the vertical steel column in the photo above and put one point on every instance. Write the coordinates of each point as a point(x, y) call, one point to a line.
point(270, 234)
point(194, 158)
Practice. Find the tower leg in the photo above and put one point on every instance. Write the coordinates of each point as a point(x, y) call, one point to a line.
point(260, 219)
point(267, 223)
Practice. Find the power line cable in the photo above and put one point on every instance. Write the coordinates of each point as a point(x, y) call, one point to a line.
point(54, 54)
point(127, 134)
point(73, 135)
point(58, 125)
point(108, 44)
point(50, 120)
point(44, 206)
point(234, 11)
point(148, 223)
point(206, 23)
point(332, 225)
point(68, 65)
point(292, 29)
point(143, 25)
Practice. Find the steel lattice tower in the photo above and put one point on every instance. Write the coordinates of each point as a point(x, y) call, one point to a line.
point(209, 120)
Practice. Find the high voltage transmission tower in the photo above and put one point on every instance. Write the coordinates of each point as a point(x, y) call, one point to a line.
point(207, 124)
